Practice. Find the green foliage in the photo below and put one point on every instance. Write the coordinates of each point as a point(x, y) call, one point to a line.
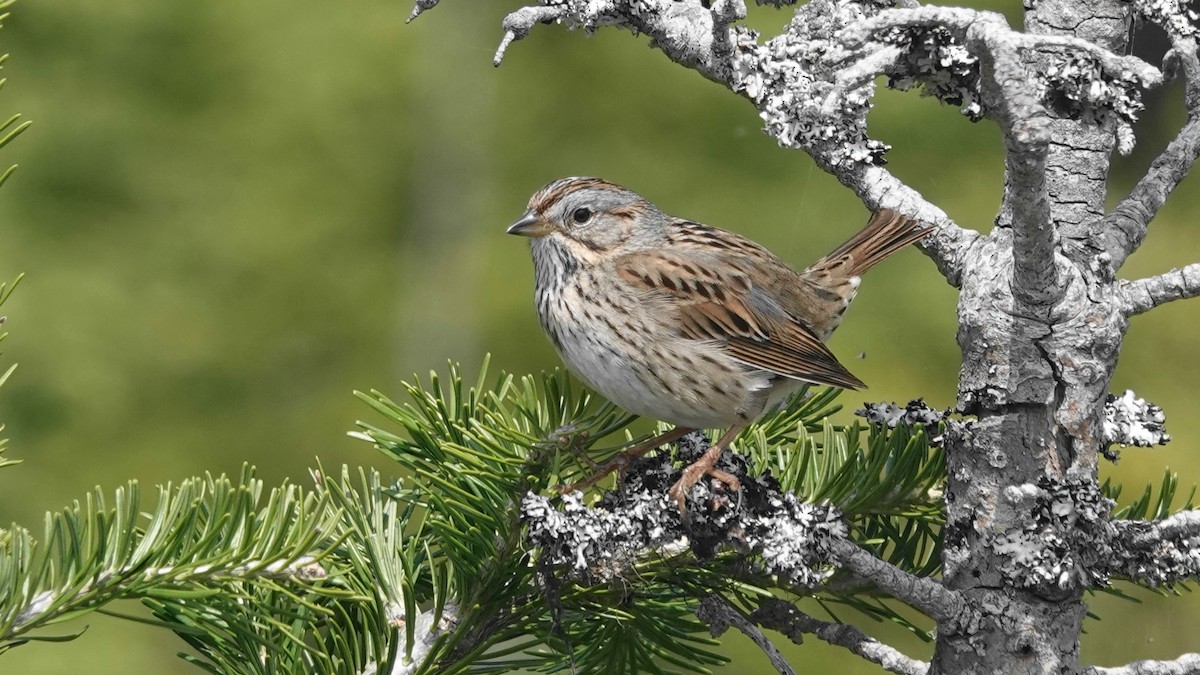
point(207, 537)
point(1149, 506)
point(430, 573)
point(471, 452)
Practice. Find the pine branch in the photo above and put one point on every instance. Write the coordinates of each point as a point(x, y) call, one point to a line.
point(205, 533)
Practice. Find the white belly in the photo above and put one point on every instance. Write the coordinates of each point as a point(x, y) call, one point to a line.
point(657, 375)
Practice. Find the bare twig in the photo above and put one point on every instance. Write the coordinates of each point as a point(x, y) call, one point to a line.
point(1184, 49)
point(1144, 295)
point(786, 618)
point(421, 6)
point(715, 611)
point(518, 24)
point(1188, 664)
point(1123, 230)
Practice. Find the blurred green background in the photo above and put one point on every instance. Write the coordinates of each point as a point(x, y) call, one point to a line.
point(233, 214)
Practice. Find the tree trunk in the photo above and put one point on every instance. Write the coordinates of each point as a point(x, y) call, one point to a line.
point(1035, 372)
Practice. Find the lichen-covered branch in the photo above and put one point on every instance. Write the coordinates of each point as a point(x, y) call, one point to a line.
point(787, 619)
point(690, 34)
point(1146, 535)
point(1090, 81)
point(1144, 295)
point(1018, 97)
point(797, 543)
point(1158, 552)
point(1188, 664)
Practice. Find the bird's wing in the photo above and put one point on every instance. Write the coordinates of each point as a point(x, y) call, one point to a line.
point(713, 296)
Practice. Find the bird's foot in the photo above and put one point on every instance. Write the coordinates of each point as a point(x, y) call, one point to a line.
point(705, 466)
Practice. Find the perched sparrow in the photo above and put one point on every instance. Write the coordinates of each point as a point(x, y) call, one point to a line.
point(683, 322)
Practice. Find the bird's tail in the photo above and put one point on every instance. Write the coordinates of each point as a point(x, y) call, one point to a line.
point(886, 233)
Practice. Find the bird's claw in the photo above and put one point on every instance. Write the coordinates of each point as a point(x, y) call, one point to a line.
point(692, 475)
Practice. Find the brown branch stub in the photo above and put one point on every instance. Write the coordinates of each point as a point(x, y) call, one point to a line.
point(1039, 280)
point(715, 611)
point(1187, 664)
point(787, 619)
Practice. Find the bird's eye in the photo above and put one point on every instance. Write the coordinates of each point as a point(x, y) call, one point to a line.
point(581, 215)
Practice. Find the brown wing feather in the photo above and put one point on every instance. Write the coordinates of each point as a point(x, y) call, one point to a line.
point(716, 300)
point(884, 234)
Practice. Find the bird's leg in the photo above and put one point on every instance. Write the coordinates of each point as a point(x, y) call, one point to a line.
point(621, 462)
point(706, 466)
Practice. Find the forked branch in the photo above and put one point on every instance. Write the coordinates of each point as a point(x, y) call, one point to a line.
point(786, 618)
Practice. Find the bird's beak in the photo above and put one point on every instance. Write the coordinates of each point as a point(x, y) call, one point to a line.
point(530, 225)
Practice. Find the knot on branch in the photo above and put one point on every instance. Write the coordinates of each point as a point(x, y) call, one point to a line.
point(1067, 537)
point(1130, 420)
point(790, 539)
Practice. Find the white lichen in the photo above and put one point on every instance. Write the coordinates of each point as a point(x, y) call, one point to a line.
point(1131, 420)
point(938, 64)
point(793, 80)
point(1174, 16)
point(1077, 87)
